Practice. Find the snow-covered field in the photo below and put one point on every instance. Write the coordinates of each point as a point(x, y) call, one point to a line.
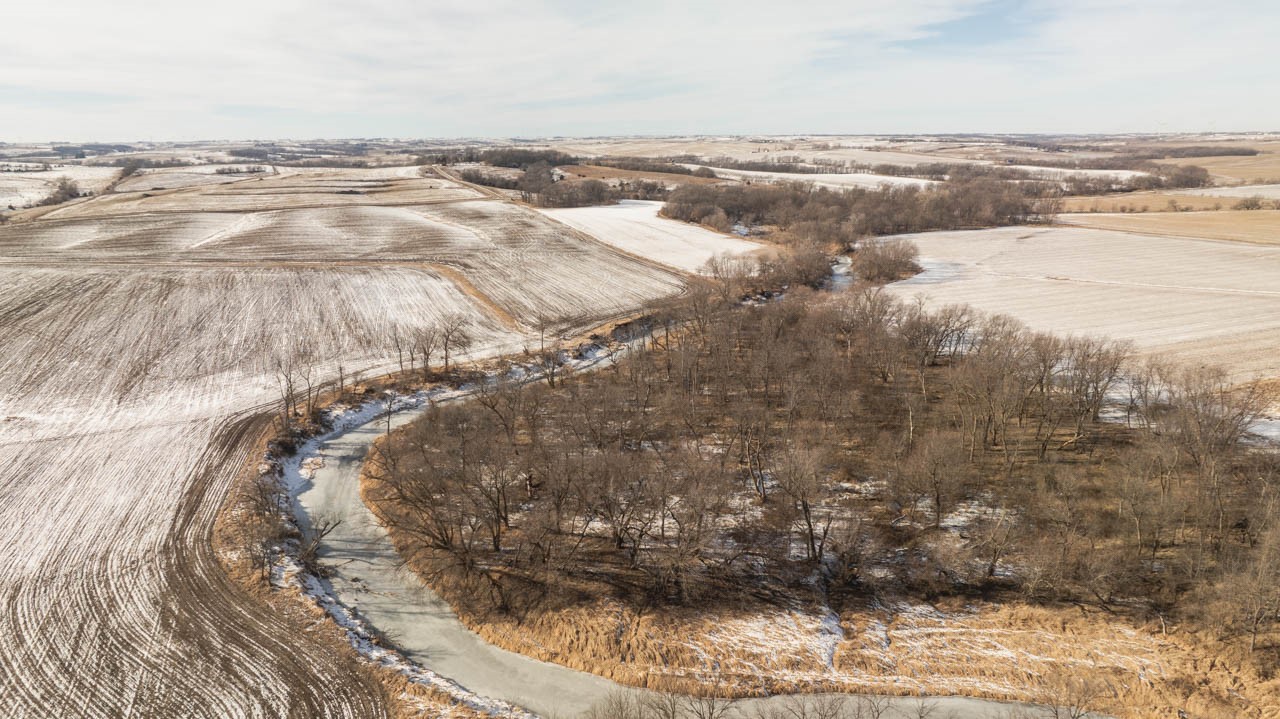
point(139, 358)
point(1266, 192)
point(1193, 300)
point(171, 178)
point(1056, 173)
point(634, 226)
point(834, 181)
point(840, 150)
point(845, 149)
point(20, 189)
point(293, 188)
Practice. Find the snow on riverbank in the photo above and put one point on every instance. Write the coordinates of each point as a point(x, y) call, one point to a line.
point(296, 474)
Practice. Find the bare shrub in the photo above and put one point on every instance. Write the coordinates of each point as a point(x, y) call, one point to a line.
point(881, 261)
point(64, 189)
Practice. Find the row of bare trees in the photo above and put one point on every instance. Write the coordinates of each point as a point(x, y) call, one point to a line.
point(447, 337)
point(300, 375)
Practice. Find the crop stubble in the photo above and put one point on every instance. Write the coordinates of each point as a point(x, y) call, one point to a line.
point(137, 370)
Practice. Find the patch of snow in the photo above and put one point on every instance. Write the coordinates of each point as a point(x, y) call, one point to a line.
point(634, 226)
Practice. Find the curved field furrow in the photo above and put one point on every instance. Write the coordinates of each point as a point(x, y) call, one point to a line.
point(542, 270)
point(141, 356)
point(293, 190)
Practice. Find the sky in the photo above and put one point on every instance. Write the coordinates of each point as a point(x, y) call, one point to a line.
point(129, 70)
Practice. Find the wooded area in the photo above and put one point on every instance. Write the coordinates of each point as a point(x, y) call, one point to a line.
point(869, 445)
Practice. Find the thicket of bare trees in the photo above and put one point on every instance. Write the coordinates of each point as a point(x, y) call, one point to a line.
point(539, 185)
point(64, 189)
point(887, 260)
point(745, 447)
point(807, 214)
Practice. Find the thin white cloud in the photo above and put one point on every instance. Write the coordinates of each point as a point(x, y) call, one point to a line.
point(142, 70)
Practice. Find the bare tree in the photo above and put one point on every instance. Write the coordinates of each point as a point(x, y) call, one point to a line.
point(935, 469)
point(308, 550)
point(283, 371)
point(707, 706)
point(426, 341)
point(799, 473)
point(1249, 595)
point(399, 343)
point(662, 705)
point(454, 336)
point(618, 704)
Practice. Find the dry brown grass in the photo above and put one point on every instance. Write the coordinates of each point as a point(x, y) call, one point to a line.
point(1245, 169)
point(1006, 652)
point(1261, 227)
point(1145, 202)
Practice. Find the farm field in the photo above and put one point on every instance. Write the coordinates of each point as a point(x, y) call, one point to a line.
point(19, 189)
point(173, 178)
point(837, 150)
point(635, 227)
point(292, 188)
point(834, 181)
point(1254, 169)
point(613, 174)
point(1260, 227)
point(1196, 301)
point(142, 351)
point(1267, 192)
point(1151, 201)
point(856, 149)
point(1055, 173)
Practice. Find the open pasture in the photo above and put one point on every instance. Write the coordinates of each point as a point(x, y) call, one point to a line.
point(829, 180)
point(613, 175)
point(855, 149)
point(173, 178)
